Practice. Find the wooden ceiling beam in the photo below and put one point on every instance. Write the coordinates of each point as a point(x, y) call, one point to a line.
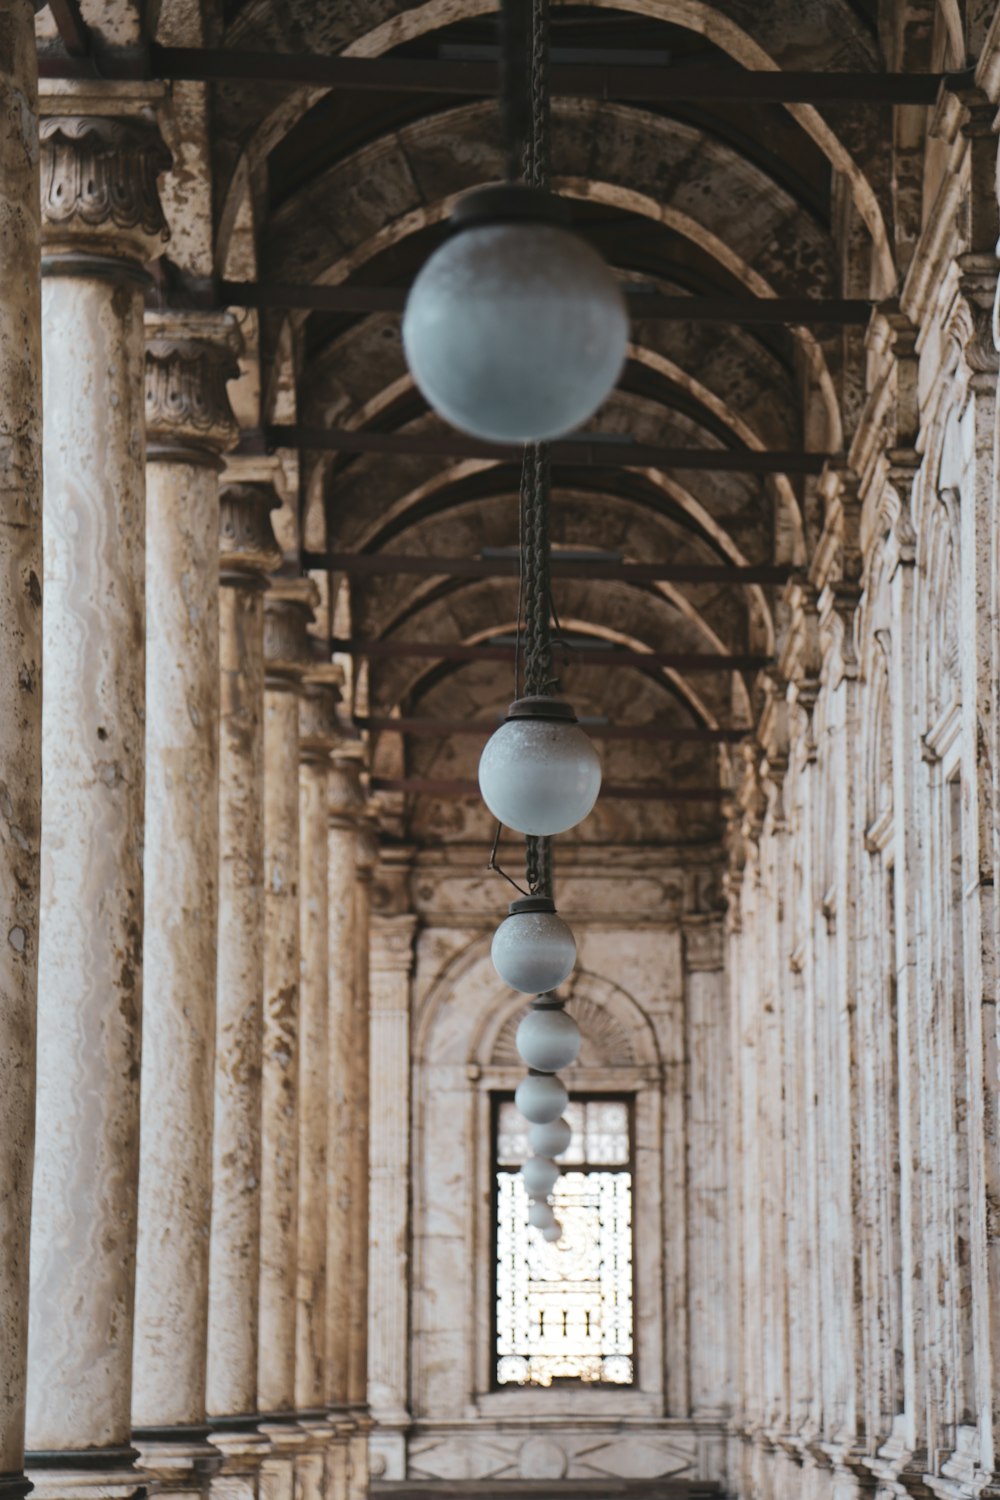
point(429, 786)
point(642, 83)
point(590, 451)
point(350, 298)
point(586, 656)
point(382, 564)
point(679, 734)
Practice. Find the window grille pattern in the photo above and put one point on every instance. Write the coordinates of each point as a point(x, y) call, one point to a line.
point(564, 1310)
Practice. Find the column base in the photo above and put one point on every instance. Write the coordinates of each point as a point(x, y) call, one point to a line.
point(287, 1441)
point(338, 1464)
point(378, 1451)
point(14, 1486)
point(85, 1474)
point(314, 1462)
point(242, 1450)
point(179, 1461)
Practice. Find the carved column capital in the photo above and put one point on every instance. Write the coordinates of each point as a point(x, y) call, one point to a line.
point(248, 550)
point(99, 192)
point(189, 361)
point(288, 611)
point(345, 798)
point(392, 944)
point(320, 729)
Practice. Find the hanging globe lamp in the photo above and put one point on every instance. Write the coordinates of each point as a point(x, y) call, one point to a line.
point(539, 773)
point(541, 1097)
point(533, 949)
point(515, 330)
point(548, 1039)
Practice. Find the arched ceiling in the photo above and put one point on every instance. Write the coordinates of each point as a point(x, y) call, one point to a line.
point(718, 198)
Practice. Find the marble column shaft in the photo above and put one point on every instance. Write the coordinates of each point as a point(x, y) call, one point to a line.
point(391, 964)
point(318, 731)
point(248, 553)
point(285, 649)
point(101, 221)
point(20, 699)
point(357, 1371)
point(345, 1069)
point(188, 423)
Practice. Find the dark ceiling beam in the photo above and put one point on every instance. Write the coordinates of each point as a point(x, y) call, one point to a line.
point(677, 734)
point(380, 564)
point(609, 80)
point(586, 656)
point(429, 786)
point(593, 451)
point(73, 29)
point(350, 298)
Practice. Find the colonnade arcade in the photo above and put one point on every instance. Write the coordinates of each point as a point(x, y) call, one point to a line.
point(254, 1059)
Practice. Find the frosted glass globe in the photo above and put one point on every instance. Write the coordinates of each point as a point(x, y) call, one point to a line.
point(552, 1232)
point(539, 774)
point(515, 329)
point(551, 1139)
point(548, 1039)
point(540, 1216)
point(540, 1176)
point(541, 1097)
point(533, 949)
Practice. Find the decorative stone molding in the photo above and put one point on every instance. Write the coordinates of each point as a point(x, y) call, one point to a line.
point(189, 362)
point(248, 550)
point(345, 798)
point(99, 187)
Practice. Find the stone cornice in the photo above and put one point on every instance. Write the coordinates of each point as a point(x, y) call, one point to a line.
point(99, 188)
point(247, 547)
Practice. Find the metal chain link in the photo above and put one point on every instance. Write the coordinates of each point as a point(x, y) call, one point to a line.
point(538, 865)
point(538, 150)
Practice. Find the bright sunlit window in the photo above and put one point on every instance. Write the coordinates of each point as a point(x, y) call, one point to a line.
point(564, 1311)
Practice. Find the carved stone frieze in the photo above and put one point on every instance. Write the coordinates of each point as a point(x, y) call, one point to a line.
point(188, 368)
point(99, 186)
point(247, 546)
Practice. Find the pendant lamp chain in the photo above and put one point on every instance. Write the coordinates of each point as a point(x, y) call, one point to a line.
point(536, 578)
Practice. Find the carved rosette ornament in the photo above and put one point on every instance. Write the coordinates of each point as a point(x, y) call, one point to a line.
point(188, 366)
point(99, 187)
point(247, 546)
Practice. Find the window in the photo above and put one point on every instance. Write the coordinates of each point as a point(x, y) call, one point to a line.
point(564, 1310)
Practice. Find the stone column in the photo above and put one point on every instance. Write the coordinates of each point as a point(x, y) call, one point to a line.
point(101, 221)
point(248, 553)
point(345, 803)
point(189, 423)
point(287, 611)
point(20, 703)
point(360, 1270)
point(318, 732)
point(388, 1265)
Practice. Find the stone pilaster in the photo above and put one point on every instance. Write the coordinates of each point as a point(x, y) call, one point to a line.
point(287, 610)
point(101, 221)
point(248, 553)
point(318, 732)
point(388, 1264)
point(189, 423)
point(20, 703)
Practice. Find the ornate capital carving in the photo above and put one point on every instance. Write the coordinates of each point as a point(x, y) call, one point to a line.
point(320, 729)
point(288, 610)
point(188, 364)
point(392, 944)
point(248, 550)
point(345, 799)
point(99, 187)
